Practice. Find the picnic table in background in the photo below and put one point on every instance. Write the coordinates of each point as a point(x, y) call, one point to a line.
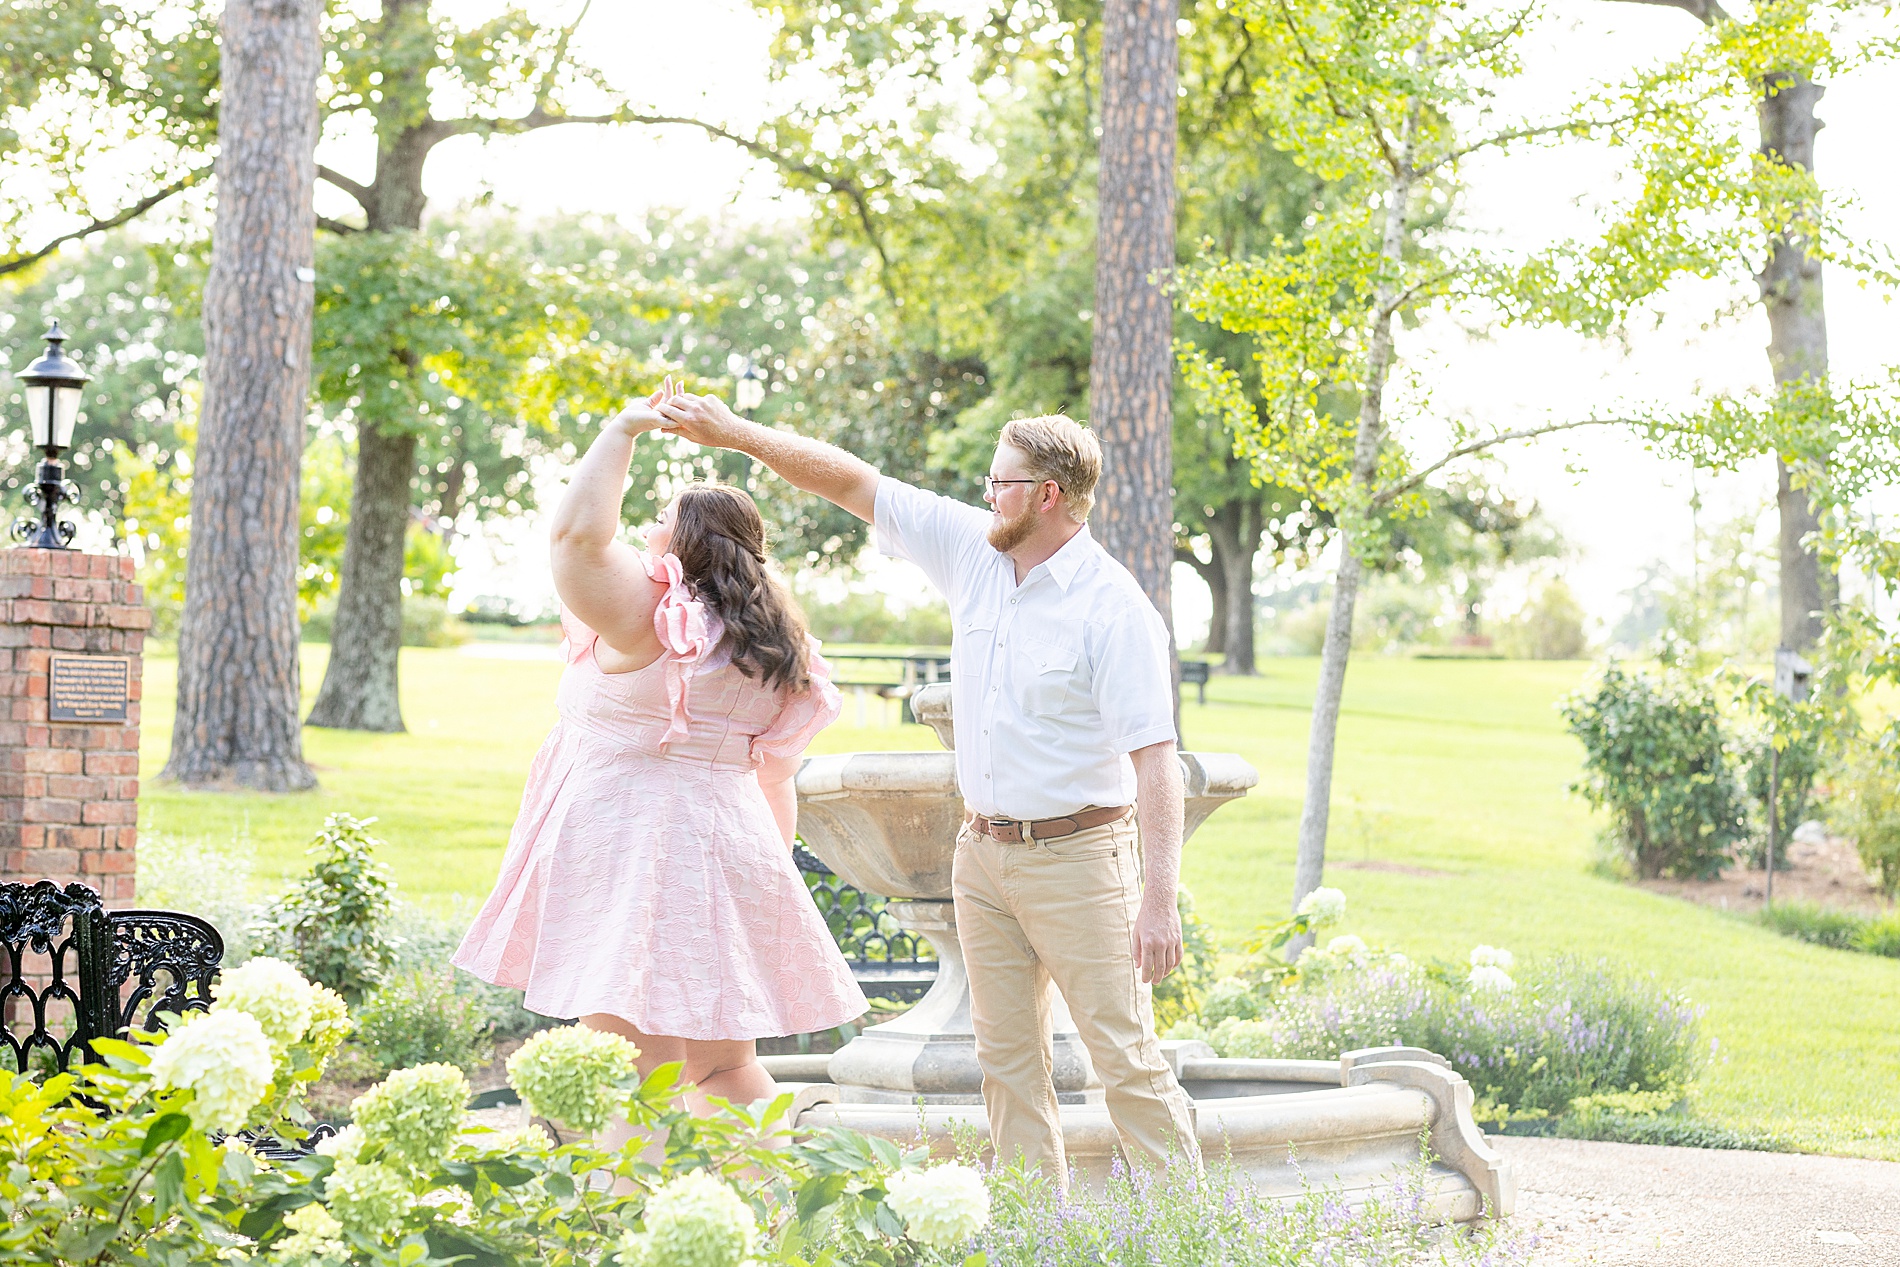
point(893, 674)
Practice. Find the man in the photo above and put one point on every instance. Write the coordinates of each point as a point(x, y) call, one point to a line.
point(1065, 757)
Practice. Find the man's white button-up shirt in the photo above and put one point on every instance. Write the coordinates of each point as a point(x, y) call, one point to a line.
point(1054, 681)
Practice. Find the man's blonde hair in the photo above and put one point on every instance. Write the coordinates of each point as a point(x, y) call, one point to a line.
point(1057, 447)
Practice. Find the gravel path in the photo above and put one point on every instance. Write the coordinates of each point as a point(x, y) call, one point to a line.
point(1624, 1205)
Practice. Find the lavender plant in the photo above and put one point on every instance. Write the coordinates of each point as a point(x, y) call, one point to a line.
point(1181, 1219)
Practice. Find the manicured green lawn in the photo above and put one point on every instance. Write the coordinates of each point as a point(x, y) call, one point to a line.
point(1451, 826)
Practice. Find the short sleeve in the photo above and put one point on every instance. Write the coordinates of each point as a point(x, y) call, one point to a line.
point(935, 532)
point(576, 638)
point(687, 631)
point(1134, 688)
point(803, 715)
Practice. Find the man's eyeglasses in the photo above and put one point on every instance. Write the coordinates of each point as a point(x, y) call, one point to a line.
point(991, 483)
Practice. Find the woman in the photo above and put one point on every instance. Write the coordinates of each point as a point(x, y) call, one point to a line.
point(649, 887)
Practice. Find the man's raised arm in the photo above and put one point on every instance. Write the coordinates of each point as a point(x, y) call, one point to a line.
point(811, 465)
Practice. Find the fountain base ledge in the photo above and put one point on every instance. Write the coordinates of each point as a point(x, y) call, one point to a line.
point(1353, 1125)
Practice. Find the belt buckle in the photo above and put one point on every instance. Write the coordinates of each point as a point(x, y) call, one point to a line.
point(1005, 822)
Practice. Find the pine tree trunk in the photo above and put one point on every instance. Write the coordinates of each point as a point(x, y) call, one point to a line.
point(359, 685)
point(238, 680)
point(1132, 366)
point(1797, 349)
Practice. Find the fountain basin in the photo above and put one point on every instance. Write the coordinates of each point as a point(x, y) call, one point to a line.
point(1352, 1125)
point(886, 822)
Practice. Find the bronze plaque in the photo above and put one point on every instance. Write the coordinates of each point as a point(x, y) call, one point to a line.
point(88, 688)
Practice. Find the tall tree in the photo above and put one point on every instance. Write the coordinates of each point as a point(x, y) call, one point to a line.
point(1370, 94)
point(236, 722)
point(391, 67)
point(1131, 374)
point(1789, 282)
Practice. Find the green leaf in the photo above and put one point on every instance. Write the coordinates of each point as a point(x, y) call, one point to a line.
point(164, 1129)
point(168, 1185)
point(887, 1152)
point(818, 1193)
point(505, 1174)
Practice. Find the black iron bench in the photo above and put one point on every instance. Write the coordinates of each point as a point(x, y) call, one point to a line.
point(101, 972)
point(888, 962)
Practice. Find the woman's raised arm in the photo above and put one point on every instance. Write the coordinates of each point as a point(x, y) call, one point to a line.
point(600, 578)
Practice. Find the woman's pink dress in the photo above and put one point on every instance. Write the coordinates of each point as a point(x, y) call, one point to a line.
point(646, 877)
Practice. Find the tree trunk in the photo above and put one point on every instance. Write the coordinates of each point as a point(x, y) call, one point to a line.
point(360, 690)
point(1132, 365)
point(1235, 534)
point(359, 685)
point(238, 680)
point(1797, 349)
point(1310, 867)
point(1310, 864)
point(1216, 581)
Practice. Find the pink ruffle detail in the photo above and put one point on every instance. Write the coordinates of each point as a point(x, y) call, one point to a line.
point(804, 715)
point(686, 632)
point(576, 638)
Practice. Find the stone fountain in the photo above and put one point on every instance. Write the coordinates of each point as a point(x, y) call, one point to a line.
point(886, 822)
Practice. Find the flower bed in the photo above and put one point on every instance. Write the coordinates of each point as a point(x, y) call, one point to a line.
point(128, 1161)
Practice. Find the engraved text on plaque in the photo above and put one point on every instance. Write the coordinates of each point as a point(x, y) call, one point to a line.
point(88, 688)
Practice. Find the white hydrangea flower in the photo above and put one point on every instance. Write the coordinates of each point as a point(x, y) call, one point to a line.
point(1492, 957)
point(1491, 977)
point(224, 1059)
point(315, 1235)
point(941, 1207)
point(573, 1074)
point(414, 1113)
point(1326, 906)
point(1346, 946)
point(693, 1221)
point(368, 1197)
point(330, 1022)
point(345, 1145)
point(272, 991)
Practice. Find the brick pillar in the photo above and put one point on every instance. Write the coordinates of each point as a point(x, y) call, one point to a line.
point(68, 789)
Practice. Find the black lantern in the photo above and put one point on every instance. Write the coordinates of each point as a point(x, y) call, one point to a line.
point(749, 392)
point(54, 385)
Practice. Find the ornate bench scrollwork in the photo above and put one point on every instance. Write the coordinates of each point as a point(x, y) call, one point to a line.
point(57, 944)
point(887, 961)
point(162, 961)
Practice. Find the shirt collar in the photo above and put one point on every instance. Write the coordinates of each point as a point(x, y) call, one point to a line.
point(1066, 562)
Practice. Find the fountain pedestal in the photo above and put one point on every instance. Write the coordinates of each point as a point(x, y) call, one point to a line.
point(887, 823)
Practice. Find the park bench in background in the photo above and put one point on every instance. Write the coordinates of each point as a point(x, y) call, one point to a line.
point(1194, 673)
point(888, 962)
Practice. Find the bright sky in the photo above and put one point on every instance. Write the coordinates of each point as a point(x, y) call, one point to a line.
point(1626, 509)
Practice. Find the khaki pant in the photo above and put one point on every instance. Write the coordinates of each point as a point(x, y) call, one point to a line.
point(1063, 911)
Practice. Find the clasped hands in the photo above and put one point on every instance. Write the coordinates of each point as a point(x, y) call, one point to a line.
point(675, 411)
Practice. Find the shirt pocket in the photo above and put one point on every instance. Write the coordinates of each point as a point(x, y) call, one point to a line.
point(1046, 676)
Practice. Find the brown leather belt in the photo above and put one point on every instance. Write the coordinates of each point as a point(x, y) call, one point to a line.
point(1013, 831)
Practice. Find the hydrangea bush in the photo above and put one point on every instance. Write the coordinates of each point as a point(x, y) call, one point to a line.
point(127, 1161)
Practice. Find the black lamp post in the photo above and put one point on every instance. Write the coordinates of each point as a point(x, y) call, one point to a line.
point(54, 385)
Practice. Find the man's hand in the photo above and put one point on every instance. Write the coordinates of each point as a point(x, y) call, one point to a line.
point(1157, 940)
point(701, 419)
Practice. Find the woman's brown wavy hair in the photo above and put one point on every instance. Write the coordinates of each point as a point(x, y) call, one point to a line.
point(719, 540)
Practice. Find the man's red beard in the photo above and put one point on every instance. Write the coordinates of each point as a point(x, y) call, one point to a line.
point(1007, 534)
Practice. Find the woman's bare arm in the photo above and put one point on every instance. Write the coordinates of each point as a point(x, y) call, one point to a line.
point(778, 780)
point(600, 578)
point(841, 478)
